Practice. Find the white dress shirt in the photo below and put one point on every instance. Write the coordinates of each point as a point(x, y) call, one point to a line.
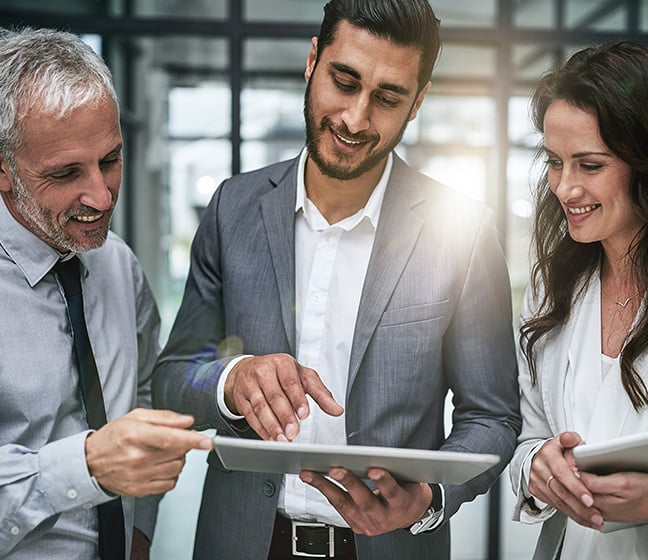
point(330, 266)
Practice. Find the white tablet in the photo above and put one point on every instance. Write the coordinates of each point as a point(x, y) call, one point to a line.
point(628, 453)
point(415, 465)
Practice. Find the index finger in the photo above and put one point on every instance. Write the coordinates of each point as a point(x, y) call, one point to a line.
point(162, 417)
point(314, 386)
point(176, 441)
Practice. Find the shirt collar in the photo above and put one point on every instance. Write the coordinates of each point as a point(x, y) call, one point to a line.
point(371, 211)
point(34, 257)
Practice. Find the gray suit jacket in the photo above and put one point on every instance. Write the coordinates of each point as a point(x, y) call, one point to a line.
point(434, 316)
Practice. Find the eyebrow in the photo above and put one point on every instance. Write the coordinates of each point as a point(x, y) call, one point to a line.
point(580, 154)
point(54, 168)
point(382, 85)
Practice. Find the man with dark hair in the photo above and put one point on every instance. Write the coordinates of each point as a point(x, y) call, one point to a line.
point(80, 326)
point(337, 298)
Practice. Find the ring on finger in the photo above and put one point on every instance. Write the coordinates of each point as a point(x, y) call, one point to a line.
point(548, 481)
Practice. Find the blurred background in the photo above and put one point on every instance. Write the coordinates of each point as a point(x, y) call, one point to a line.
point(209, 88)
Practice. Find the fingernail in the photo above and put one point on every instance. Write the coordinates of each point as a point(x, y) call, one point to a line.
point(302, 412)
point(337, 475)
point(282, 437)
point(291, 431)
point(597, 521)
point(306, 477)
point(587, 500)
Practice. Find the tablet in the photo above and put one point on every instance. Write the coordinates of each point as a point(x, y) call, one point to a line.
point(413, 465)
point(628, 453)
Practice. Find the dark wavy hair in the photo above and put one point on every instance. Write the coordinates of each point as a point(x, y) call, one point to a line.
point(405, 22)
point(610, 81)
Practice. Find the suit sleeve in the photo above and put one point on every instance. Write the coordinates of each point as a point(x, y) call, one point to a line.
point(479, 356)
point(187, 373)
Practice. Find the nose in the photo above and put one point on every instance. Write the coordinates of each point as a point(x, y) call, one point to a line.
point(96, 193)
point(356, 115)
point(566, 185)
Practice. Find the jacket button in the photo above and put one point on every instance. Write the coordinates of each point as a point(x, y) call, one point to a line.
point(268, 488)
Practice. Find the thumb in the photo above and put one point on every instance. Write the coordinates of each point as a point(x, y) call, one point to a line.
point(570, 439)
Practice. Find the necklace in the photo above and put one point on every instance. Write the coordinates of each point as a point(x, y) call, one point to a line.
point(621, 303)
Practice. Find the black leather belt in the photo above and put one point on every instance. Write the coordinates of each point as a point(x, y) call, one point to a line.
point(296, 539)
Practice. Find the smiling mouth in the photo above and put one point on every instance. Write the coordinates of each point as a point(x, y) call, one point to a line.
point(88, 219)
point(583, 209)
point(349, 142)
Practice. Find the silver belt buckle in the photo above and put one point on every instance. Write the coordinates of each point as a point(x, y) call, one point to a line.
point(331, 541)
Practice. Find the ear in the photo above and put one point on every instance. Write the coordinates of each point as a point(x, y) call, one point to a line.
point(311, 59)
point(6, 183)
point(419, 101)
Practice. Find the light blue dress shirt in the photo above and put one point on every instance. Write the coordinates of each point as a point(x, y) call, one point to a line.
point(47, 496)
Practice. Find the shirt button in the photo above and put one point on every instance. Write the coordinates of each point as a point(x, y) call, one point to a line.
point(268, 488)
point(15, 530)
point(87, 505)
point(72, 494)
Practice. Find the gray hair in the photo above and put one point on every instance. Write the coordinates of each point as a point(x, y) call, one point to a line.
point(46, 72)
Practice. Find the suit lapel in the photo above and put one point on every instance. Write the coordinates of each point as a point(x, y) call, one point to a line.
point(278, 212)
point(392, 248)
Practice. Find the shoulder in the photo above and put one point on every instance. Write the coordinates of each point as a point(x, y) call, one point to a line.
point(435, 200)
point(260, 180)
point(114, 258)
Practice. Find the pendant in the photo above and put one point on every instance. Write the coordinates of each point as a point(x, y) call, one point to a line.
point(624, 303)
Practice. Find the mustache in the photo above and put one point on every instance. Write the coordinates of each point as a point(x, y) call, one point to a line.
point(87, 211)
point(342, 130)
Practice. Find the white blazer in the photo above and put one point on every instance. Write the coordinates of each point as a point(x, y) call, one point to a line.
point(543, 412)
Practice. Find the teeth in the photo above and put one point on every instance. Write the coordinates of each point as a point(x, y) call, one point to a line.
point(348, 142)
point(583, 209)
point(88, 219)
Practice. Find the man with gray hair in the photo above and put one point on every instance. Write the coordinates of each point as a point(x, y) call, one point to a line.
point(80, 325)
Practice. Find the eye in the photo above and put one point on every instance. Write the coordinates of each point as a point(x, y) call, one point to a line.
point(110, 162)
point(591, 167)
point(343, 86)
point(553, 163)
point(386, 100)
point(63, 175)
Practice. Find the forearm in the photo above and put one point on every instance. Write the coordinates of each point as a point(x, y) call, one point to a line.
point(37, 485)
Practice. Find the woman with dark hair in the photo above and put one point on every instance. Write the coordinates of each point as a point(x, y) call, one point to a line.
point(584, 331)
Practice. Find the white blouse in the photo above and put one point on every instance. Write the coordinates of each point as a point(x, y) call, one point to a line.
point(596, 406)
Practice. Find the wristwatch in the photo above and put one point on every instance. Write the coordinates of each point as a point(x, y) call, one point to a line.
point(434, 515)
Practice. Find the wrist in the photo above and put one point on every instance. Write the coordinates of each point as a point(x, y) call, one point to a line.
point(433, 517)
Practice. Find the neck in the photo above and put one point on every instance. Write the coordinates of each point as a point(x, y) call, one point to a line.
point(338, 199)
point(617, 278)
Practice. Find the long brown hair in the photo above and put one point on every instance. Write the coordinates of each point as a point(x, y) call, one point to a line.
point(611, 82)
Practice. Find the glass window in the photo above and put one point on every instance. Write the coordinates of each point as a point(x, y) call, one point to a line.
point(214, 9)
point(60, 6)
point(272, 121)
point(539, 14)
point(465, 13)
point(601, 15)
point(276, 54)
point(465, 61)
point(530, 61)
point(450, 120)
point(293, 11)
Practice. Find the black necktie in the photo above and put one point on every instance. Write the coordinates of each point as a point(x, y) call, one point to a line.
point(111, 516)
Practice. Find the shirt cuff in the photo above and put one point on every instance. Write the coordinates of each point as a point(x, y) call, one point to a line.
point(220, 389)
point(64, 475)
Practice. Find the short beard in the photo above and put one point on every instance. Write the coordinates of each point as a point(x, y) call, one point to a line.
point(42, 224)
point(337, 171)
